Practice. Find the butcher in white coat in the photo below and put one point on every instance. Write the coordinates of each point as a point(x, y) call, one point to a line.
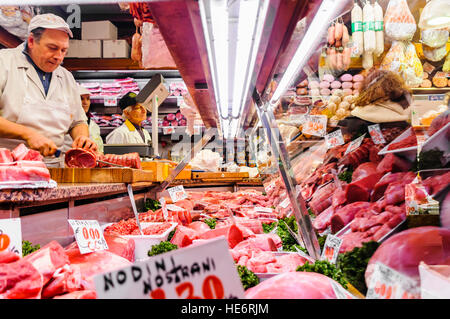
point(130, 132)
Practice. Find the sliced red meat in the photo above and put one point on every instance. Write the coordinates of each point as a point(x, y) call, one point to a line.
point(322, 221)
point(436, 183)
point(21, 152)
point(64, 280)
point(322, 198)
point(382, 184)
point(392, 163)
point(20, 280)
point(395, 193)
point(8, 257)
point(80, 158)
point(361, 189)
point(364, 170)
point(264, 243)
point(199, 227)
point(81, 294)
point(48, 259)
point(232, 233)
point(17, 173)
point(381, 232)
point(351, 240)
point(184, 236)
point(345, 215)
point(290, 262)
point(5, 156)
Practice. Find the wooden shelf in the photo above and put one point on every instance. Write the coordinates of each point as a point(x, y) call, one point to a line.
point(75, 64)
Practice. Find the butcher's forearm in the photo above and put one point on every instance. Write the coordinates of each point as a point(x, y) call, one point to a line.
point(10, 129)
point(79, 130)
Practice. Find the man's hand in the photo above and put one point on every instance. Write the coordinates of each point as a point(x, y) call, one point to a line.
point(84, 142)
point(40, 143)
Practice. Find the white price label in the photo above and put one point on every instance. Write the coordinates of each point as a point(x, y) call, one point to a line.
point(315, 125)
point(110, 101)
point(174, 208)
point(89, 235)
point(177, 193)
point(164, 208)
point(11, 235)
point(285, 203)
point(387, 283)
point(334, 139)
point(354, 144)
point(197, 130)
point(168, 130)
point(204, 271)
point(375, 134)
point(331, 248)
point(264, 209)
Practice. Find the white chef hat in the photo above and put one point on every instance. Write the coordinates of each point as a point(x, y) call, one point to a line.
point(49, 21)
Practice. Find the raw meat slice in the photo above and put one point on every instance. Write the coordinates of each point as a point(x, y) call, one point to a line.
point(48, 259)
point(23, 153)
point(392, 163)
point(20, 280)
point(8, 257)
point(82, 294)
point(16, 173)
point(78, 157)
point(364, 170)
point(322, 198)
point(232, 233)
point(263, 243)
point(352, 240)
point(184, 236)
point(290, 262)
point(339, 197)
point(404, 251)
point(199, 227)
point(95, 263)
point(66, 279)
point(5, 156)
point(395, 193)
point(361, 189)
point(436, 183)
point(293, 285)
point(345, 215)
point(322, 221)
point(383, 183)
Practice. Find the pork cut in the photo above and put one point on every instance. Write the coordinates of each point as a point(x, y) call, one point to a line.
point(5, 156)
point(23, 153)
point(20, 280)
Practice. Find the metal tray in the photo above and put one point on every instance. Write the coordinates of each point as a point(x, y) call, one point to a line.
point(143, 150)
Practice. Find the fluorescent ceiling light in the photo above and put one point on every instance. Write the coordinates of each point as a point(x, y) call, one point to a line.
point(309, 43)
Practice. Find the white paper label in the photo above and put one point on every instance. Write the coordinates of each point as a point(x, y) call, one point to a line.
point(331, 248)
point(263, 209)
point(334, 139)
point(174, 208)
point(11, 235)
point(110, 101)
point(197, 130)
point(285, 203)
point(168, 130)
point(164, 208)
point(354, 144)
point(375, 134)
point(315, 125)
point(89, 235)
point(387, 283)
point(205, 271)
point(177, 193)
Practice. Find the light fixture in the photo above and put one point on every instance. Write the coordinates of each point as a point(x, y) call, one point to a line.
point(232, 31)
point(435, 15)
point(310, 41)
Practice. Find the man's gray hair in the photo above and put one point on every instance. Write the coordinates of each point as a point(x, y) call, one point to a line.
point(128, 109)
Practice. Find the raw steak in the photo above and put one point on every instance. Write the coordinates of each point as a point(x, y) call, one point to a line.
point(23, 153)
point(436, 183)
point(17, 173)
point(364, 170)
point(232, 233)
point(345, 215)
point(392, 163)
point(8, 257)
point(48, 259)
point(293, 285)
point(322, 221)
point(404, 251)
point(5, 156)
point(81, 158)
point(361, 189)
point(20, 280)
point(383, 183)
point(66, 279)
point(184, 236)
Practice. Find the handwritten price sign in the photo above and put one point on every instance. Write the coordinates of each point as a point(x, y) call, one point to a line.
point(386, 283)
point(177, 193)
point(315, 125)
point(110, 101)
point(11, 235)
point(204, 271)
point(375, 134)
point(334, 139)
point(89, 235)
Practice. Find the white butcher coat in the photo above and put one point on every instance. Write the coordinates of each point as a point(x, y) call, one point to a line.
point(127, 134)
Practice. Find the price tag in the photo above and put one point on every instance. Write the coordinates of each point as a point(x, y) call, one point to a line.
point(334, 139)
point(263, 209)
point(164, 208)
point(110, 100)
point(11, 235)
point(315, 125)
point(331, 248)
point(204, 271)
point(375, 134)
point(387, 283)
point(168, 130)
point(174, 208)
point(354, 144)
point(341, 292)
point(285, 203)
point(89, 235)
point(177, 193)
point(197, 130)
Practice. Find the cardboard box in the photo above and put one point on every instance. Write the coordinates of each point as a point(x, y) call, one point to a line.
point(98, 30)
point(84, 49)
point(116, 49)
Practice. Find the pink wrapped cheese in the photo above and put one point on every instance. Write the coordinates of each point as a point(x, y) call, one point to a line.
point(328, 77)
point(358, 78)
point(325, 92)
point(335, 85)
point(346, 77)
point(324, 85)
point(347, 85)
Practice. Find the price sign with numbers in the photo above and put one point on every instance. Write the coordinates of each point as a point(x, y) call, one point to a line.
point(331, 248)
point(89, 235)
point(334, 139)
point(168, 130)
point(11, 235)
point(177, 193)
point(110, 101)
point(375, 134)
point(315, 125)
point(354, 144)
point(205, 271)
point(387, 283)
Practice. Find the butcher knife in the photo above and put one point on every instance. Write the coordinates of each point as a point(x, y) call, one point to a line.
point(58, 154)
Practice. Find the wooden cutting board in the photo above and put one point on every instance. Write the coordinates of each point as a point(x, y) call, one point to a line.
point(210, 176)
point(100, 175)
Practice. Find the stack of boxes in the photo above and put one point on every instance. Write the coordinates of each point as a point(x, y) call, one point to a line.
point(98, 40)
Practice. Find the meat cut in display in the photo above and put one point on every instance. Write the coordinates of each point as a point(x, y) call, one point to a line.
point(81, 158)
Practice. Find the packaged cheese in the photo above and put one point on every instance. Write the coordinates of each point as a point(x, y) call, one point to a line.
point(399, 23)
